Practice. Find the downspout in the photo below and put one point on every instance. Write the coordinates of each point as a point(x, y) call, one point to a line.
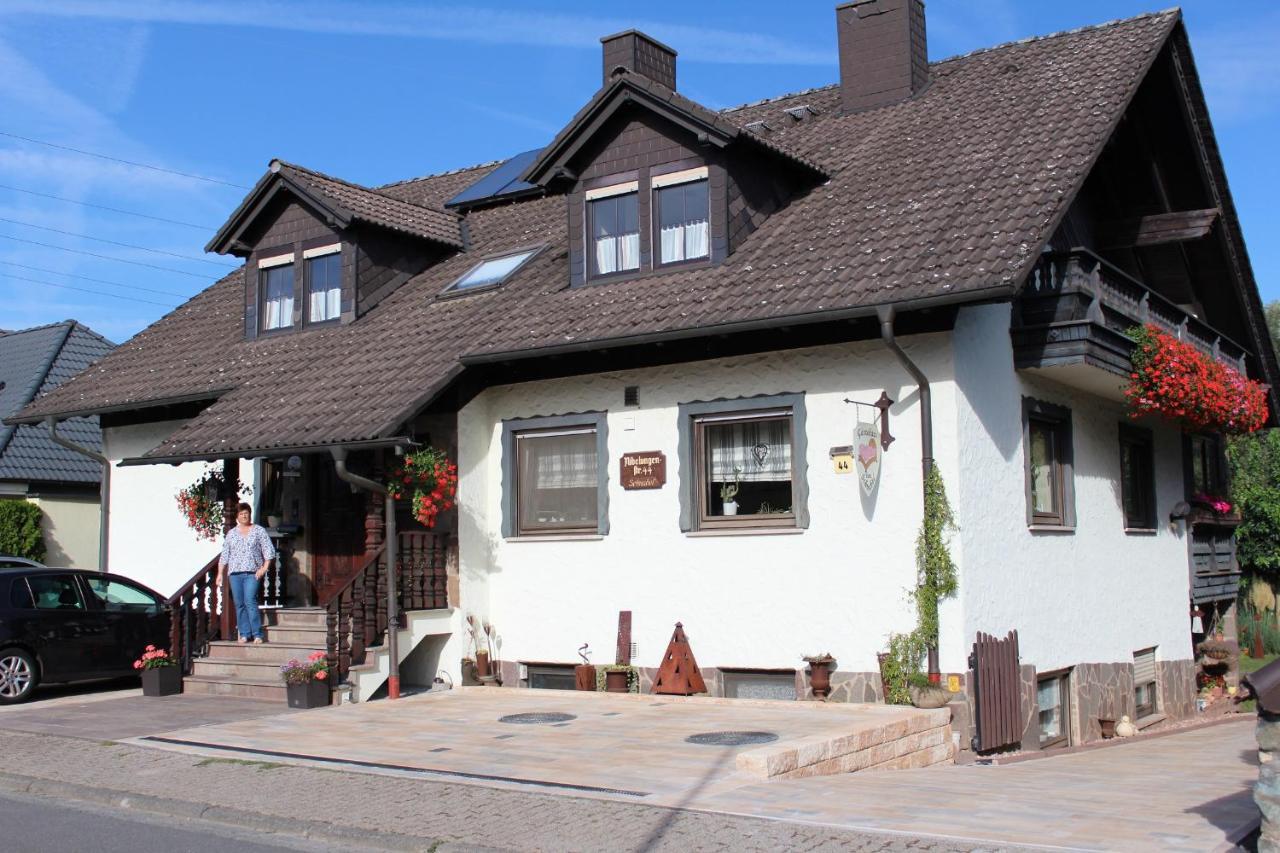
point(104, 488)
point(886, 313)
point(392, 552)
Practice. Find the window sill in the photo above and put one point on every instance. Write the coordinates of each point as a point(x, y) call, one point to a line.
point(1050, 528)
point(745, 531)
point(558, 537)
point(1141, 531)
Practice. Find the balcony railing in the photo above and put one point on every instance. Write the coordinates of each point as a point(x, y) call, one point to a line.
point(1077, 307)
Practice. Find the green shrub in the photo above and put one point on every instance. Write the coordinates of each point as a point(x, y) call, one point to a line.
point(20, 533)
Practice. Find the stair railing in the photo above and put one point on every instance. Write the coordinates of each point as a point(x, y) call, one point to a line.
point(199, 612)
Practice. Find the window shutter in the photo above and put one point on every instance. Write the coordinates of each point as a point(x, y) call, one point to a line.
point(1144, 667)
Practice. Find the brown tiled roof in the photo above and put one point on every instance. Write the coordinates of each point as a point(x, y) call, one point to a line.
point(948, 196)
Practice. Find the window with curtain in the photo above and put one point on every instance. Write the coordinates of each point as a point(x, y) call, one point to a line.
point(1144, 682)
point(324, 287)
point(557, 481)
point(683, 227)
point(1137, 479)
point(1046, 436)
point(1052, 700)
point(277, 297)
point(614, 222)
point(745, 469)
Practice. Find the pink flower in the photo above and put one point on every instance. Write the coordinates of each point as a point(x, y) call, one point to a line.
point(137, 664)
point(150, 649)
point(321, 675)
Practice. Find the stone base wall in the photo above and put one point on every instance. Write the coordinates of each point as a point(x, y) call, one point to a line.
point(1177, 682)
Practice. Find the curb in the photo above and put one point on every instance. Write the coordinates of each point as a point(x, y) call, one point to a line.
point(238, 818)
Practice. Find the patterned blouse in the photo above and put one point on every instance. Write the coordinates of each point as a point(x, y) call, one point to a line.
point(246, 553)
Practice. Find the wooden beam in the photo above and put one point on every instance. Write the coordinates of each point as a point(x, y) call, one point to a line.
point(1157, 229)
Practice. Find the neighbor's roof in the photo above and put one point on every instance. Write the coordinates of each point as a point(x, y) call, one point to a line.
point(947, 196)
point(32, 362)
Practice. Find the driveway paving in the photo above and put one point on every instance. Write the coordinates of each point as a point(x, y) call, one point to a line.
point(116, 717)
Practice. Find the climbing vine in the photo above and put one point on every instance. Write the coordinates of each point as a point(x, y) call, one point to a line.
point(935, 581)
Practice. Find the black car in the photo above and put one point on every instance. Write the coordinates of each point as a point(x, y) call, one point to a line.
point(72, 625)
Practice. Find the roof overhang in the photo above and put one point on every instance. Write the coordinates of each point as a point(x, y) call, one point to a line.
point(253, 453)
point(132, 406)
point(227, 240)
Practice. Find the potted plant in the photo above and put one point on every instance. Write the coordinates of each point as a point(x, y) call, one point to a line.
point(307, 684)
point(160, 673)
point(820, 674)
point(924, 693)
point(729, 491)
point(618, 678)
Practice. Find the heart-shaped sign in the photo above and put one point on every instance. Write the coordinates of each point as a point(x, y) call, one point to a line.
point(761, 453)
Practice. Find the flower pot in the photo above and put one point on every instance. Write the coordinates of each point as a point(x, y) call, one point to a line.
point(616, 682)
point(584, 677)
point(162, 681)
point(1108, 728)
point(730, 507)
point(820, 678)
point(310, 694)
point(482, 664)
point(933, 696)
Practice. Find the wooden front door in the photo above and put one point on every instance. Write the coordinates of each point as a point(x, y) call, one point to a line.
point(337, 527)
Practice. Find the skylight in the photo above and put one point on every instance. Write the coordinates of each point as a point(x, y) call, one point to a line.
point(491, 272)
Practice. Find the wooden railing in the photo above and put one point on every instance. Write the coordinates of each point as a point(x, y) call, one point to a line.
point(199, 612)
point(1107, 296)
point(357, 613)
point(997, 691)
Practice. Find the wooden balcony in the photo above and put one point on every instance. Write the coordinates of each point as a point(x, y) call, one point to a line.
point(1070, 322)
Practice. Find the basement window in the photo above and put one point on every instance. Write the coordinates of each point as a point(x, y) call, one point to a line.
point(491, 272)
point(759, 684)
point(1053, 699)
point(1144, 683)
point(551, 677)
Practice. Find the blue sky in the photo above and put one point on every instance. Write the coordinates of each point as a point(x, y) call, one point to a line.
point(376, 92)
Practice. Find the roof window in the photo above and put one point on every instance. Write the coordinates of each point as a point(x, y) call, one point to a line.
point(491, 272)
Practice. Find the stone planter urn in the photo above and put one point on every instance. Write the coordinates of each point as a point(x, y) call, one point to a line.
point(311, 694)
point(162, 681)
point(932, 696)
point(820, 675)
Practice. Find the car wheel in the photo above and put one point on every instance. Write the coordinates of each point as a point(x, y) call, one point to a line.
point(18, 676)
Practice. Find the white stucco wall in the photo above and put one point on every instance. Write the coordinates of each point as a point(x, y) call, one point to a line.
point(745, 600)
point(149, 540)
point(71, 525)
point(1095, 595)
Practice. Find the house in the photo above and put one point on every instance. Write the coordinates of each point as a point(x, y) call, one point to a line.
point(62, 482)
point(650, 344)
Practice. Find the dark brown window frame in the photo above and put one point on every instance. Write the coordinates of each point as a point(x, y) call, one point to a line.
point(1141, 711)
point(307, 293)
point(589, 243)
point(1058, 420)
point(291, 326)
point(1214, 454)
point(706, 521)
point(1143, 440)
point(511, 430)
point(655, 223)
point(1063, 676)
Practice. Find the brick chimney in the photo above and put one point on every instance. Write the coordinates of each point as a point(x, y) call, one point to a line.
point(884, 57)
point(640, 54)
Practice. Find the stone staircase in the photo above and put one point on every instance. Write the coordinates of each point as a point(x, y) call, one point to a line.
point(253, 671)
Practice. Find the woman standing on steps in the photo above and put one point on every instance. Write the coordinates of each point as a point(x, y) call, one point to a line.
point(247, 553)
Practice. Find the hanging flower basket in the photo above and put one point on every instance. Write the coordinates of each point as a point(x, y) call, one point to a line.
point(431, 480)
point(201, 503)
point(1175, 380)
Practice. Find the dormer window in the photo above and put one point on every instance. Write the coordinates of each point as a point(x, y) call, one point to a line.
point(613, 220)
point(491, 272)
point(682, 207)
point(276, 276)
point(324, 283)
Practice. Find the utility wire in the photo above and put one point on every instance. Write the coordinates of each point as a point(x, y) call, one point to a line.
point(111, 209)
point(98, 280)
point(116, 243)
point(87, 290)
point(119, 160)
point(201, 276)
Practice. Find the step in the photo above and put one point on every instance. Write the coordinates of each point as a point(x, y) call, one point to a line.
point(296, 617)
point(278, 652)
point(255, 670)
point(247, 688)
point(316, 638)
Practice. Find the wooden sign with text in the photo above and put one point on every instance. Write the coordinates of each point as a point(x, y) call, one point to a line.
point(644, 470)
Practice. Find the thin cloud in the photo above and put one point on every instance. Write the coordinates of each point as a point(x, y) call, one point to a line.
point(1240, 69)
point(466, 24)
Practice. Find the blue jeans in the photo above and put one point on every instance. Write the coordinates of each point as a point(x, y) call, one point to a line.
point(244, 589)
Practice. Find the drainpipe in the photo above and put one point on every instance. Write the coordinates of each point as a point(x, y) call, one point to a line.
point(886, 314)
point(393, 616)
point(104, 489)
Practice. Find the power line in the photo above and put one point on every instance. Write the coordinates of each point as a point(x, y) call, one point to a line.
point(98, 280)
point(87, 290)
point(201, 276)
point(111, 209)
point(119, 160)
point(116, 243)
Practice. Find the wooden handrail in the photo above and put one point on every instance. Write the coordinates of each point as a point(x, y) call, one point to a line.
point(173, 599)
point(199, 612)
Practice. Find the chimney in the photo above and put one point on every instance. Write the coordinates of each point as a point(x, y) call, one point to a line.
point(884, 57)
point(639, 54)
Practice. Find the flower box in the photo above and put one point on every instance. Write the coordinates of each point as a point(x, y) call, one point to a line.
point(312, 694)
point(161, 681)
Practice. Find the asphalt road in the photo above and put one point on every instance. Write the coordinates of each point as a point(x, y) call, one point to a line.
point(41, 825)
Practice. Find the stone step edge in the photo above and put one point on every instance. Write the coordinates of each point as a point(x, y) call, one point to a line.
point(34, 786)
point(232, 644)
point(235, 679)
point(249, 663)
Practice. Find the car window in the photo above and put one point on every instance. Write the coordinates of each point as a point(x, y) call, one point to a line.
point(118, 596)
point(20, 595)
point(6, 563)
point(55, 592)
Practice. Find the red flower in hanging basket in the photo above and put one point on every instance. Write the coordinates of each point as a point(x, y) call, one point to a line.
point(201, 503)
point(434, 480)
point(1175, 380)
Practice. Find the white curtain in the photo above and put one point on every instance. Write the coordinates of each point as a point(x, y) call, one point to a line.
point(685, 242)
point(279, 312)
point(326, 304)
point(563, 461)
point(758, 450)
point(615, 254)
